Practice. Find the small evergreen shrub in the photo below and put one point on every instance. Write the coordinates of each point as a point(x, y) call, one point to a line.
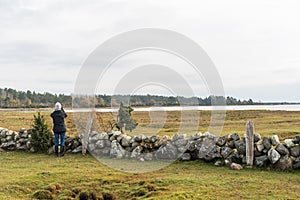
point(41, 136)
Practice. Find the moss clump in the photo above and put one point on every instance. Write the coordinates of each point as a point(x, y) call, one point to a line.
point(42, 194)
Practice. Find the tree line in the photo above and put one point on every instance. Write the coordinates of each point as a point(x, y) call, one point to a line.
point(11, 98)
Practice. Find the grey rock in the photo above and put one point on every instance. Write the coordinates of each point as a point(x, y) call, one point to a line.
point(136, 152)
point(77, 150)
point(208, 150)
point(234, 137)
point(135, 144)
point(274, 140)
point(282, 149)
point(273, 156)
point(10, 133)
point(166, 152)
point(231, 144)
point(112, 138)
point(148, 156)
point(295, 151)
point(219, 163)
point(182, 149)
point(226, 151)
point(191, 146)
point(196, 136)
point(186, 157)
point(236, 166)
point(75, 144)
point(28, 144)
point(296, 165)
point(257, 137)
point(9, 138)
point(126, 141)
point(153, 138)
point(11, 145)
point(50, 150)
point(22, 148)
point(103, 136)
point(297, 160)
point(209, 135)
point(296, 139)
point(22, 130)
point(289, 143)
point(175, 137)
point(267, 143)
point(3, 133)
point(241, 146)
point(261, 161)
point(3, 140)
point(180, 142)
point(91, 147)
point(102, 152)
point(24, 134)
point(116, 150)
point(256, 153)
point(32, 150)
point(284, 163)
point(120, 137)
point(260, 145)
point(100, 144)
point(222, 141)
point(117, 133)
point(139, 138)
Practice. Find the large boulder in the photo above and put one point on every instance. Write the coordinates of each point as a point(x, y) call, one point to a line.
point(100, 144)
point(296, 165)
point(257, 137)
point(167, 152)
point(267, 143)
point(126, 141)
point(289, 143)
point(221, 141)
point(116, 150)
point(273, 156)
point(282, 149)
point(260, 145)
point(234, 137)
point(11, 145)
point(284, 163)
point(180, 143)
point(295, 151)
point(261, 161)
point(296, 139)
point(226, 151)
point(185, 157)
point(136, 152)
point(274, 140)
point(240, 146)
point(208, 150)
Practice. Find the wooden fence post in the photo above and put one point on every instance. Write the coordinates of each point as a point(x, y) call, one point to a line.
point(249, 143)
point(86, 134)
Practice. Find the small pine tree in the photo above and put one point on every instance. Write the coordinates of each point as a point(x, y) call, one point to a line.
point(41, 136)
point(125, 119)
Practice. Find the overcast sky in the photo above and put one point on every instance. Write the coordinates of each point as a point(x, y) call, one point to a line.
point(254, 44)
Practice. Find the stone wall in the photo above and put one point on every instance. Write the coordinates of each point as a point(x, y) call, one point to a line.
point(224, 150)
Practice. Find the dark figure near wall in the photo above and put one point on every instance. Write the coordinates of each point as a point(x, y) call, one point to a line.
point(59, 129)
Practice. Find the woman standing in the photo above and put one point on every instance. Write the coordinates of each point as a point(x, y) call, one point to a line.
point(59, 128)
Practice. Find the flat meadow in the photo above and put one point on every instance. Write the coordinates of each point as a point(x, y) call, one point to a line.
point(24, 174)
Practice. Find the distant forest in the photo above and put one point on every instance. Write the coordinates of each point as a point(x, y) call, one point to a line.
point(10, 98)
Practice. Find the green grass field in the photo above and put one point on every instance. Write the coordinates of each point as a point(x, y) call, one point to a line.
point(23, 174)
